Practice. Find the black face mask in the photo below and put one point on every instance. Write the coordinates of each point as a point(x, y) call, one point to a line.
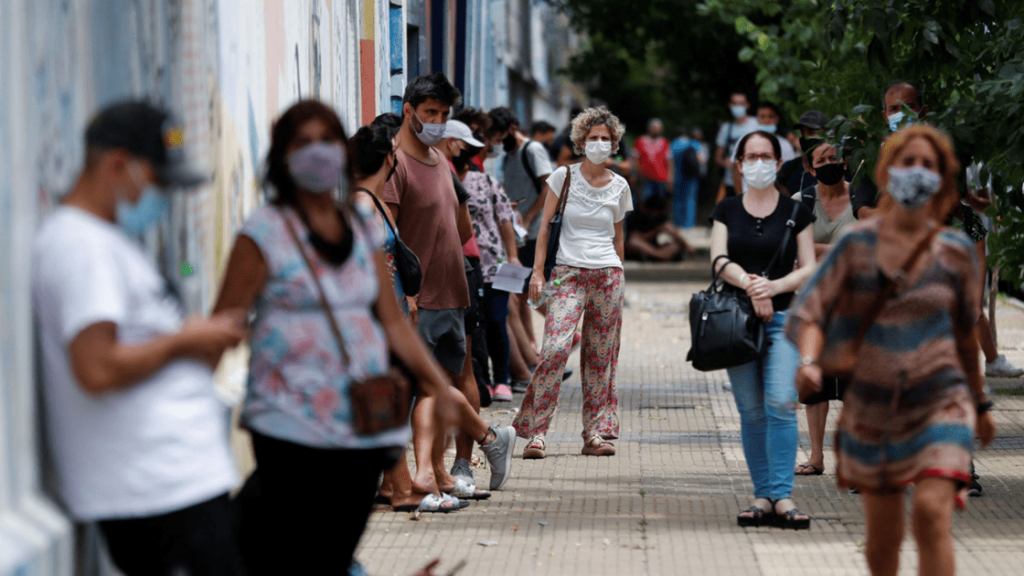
point(509, 143)
point(830, 174)
point(463, 160)
point(808, 142)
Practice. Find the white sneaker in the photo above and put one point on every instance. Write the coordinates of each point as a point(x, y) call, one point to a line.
point(1002, 368)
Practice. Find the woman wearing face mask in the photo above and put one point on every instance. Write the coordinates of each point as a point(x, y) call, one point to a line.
point(589, 270)
point(898, 297)
point(317, 477)
point(749, 231)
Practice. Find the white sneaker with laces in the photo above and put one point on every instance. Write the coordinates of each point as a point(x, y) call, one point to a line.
point(1002, 368)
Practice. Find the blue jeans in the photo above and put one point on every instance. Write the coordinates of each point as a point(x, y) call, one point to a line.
point(765, 393)
point(654, 189)
point(684, 205)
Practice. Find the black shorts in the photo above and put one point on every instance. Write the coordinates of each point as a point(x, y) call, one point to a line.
point(527, 252)
point(831, 389)
point(475, 279)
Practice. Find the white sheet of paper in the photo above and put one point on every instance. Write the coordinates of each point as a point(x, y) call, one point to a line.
point(520, 231)
point(511, 278)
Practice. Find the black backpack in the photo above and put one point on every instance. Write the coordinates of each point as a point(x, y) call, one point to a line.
point(808, 196)
point(691, 164)
point(537, 183)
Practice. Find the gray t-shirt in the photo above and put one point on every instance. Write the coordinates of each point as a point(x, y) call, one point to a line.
point(729, 135)
point(827, 231)
point(519, 187)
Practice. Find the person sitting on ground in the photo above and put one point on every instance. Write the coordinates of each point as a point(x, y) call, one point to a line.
point(643, 228)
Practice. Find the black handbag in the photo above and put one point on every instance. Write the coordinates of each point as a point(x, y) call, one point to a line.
point(723, 326)
point(555, 227)
point(406, 261)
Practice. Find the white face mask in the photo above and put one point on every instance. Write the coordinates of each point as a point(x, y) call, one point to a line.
point(913, 187)
point(598, 152)
point(759, 174)
point(429, 134)
point(896, 119)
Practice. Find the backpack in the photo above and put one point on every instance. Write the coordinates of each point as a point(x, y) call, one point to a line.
point(537, 184)
point(691, 164)
point(808, 196)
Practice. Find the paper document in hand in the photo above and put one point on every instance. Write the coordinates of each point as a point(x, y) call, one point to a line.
point(520, 231)
point(511, 278)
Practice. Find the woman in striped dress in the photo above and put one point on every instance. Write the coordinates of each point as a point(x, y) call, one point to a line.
point(916, 398)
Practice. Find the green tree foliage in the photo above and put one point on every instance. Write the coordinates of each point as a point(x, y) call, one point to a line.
point(658, 58)
point(839, 55)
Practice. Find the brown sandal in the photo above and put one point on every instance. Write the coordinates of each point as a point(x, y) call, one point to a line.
point(535, 450)
point(597, 446)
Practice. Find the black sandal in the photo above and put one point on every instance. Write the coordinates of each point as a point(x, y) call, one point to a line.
point(789, 520)
point(758, 516)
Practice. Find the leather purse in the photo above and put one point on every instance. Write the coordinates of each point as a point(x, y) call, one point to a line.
point(379, 403)
point(555, 227)
point(406, 261)
point(724, 328)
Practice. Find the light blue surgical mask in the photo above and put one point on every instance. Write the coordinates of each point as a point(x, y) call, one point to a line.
point(134, 219)
point(769, 128)
point(738, 111)
point(897, 118)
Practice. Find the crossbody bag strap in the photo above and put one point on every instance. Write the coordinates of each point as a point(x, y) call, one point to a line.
point(320, 291)
point(380, 209)
point(890, 289)
point(790, 225)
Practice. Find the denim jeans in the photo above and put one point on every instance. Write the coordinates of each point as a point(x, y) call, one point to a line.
point(654, 189)
point(684, 204)
point(765, 393)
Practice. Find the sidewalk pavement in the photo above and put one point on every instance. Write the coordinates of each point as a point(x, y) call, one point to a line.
point(667, 502)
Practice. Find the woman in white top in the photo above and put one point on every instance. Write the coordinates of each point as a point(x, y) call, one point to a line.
point(589, 272)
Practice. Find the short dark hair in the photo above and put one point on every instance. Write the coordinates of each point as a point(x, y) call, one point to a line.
point(741, 148)
point(502, 119)
point(917, 91)
point(372, 144)
point(435, 86)
point(282, 134)
point(542, 127)
point(470, 116)
point(771, 106)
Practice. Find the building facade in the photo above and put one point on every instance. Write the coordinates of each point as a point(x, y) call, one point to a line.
point(228, 67)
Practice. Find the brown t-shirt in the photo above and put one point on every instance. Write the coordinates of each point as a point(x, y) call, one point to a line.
point(428, 224)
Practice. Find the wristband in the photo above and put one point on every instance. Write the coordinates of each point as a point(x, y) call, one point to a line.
point(807, 360)
point(984, 407)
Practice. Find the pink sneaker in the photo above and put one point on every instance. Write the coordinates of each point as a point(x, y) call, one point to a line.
point(501, 393)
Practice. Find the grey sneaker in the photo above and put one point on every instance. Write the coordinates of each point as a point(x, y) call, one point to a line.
point(1002, 368)
point(499, 455)
point(463, 470)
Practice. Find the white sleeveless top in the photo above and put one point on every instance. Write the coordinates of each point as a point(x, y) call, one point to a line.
point(588, 225)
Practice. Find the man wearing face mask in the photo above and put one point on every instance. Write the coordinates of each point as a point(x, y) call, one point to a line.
point(795, 175)
point(139, 438)
point(768, 118)
point(728, 135)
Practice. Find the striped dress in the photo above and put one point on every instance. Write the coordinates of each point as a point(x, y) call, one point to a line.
point(909, 412)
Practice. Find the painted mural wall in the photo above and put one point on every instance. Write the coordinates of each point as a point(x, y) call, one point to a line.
point(228, 68)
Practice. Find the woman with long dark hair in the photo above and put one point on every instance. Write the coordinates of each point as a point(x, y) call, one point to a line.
point(317, 476)
point(749, 230)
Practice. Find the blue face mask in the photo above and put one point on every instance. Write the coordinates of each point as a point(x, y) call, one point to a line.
point(897, 118)
point(134, 219)
point(769, 128)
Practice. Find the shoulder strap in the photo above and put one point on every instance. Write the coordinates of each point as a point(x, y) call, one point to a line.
point(890, 289)
point(380, 209)
point(809, 195)
point(790, 225)
point(565, 190)
point(529, 169)
point(320, 290)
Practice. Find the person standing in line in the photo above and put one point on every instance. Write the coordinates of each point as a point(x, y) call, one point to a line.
point(654, 162)
point(525, 169)
point(829, 200)
point(749, 230)
point(139, 437)
point(795, 174)
point(687, 165)
point(725, 142)
point(565, 152)
point(435, 225)
point(544, 132)
point(769, 117)
point(479, 122)
point(492, 222)
point(589, 270)
point(916, 398)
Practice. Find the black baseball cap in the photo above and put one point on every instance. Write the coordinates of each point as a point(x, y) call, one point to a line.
point(812, 119)
point(149, 132)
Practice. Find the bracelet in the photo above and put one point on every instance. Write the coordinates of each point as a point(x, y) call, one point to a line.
point(984, 407)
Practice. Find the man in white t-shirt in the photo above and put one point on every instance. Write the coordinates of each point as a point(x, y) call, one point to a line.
point(139, 438)
point(729, 134)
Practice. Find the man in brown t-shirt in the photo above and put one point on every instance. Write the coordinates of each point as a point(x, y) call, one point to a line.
point(434, 223)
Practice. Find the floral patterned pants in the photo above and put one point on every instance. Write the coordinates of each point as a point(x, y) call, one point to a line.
point(596, 295)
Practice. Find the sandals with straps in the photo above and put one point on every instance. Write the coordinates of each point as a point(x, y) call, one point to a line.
point(597, 446)
point(536, 449)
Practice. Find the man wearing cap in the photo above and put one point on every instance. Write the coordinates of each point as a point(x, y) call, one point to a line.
point(794, 173)
point(139, 438)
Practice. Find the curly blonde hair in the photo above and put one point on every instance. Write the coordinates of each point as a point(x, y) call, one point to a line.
point(586, 120)
point(948, 196)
